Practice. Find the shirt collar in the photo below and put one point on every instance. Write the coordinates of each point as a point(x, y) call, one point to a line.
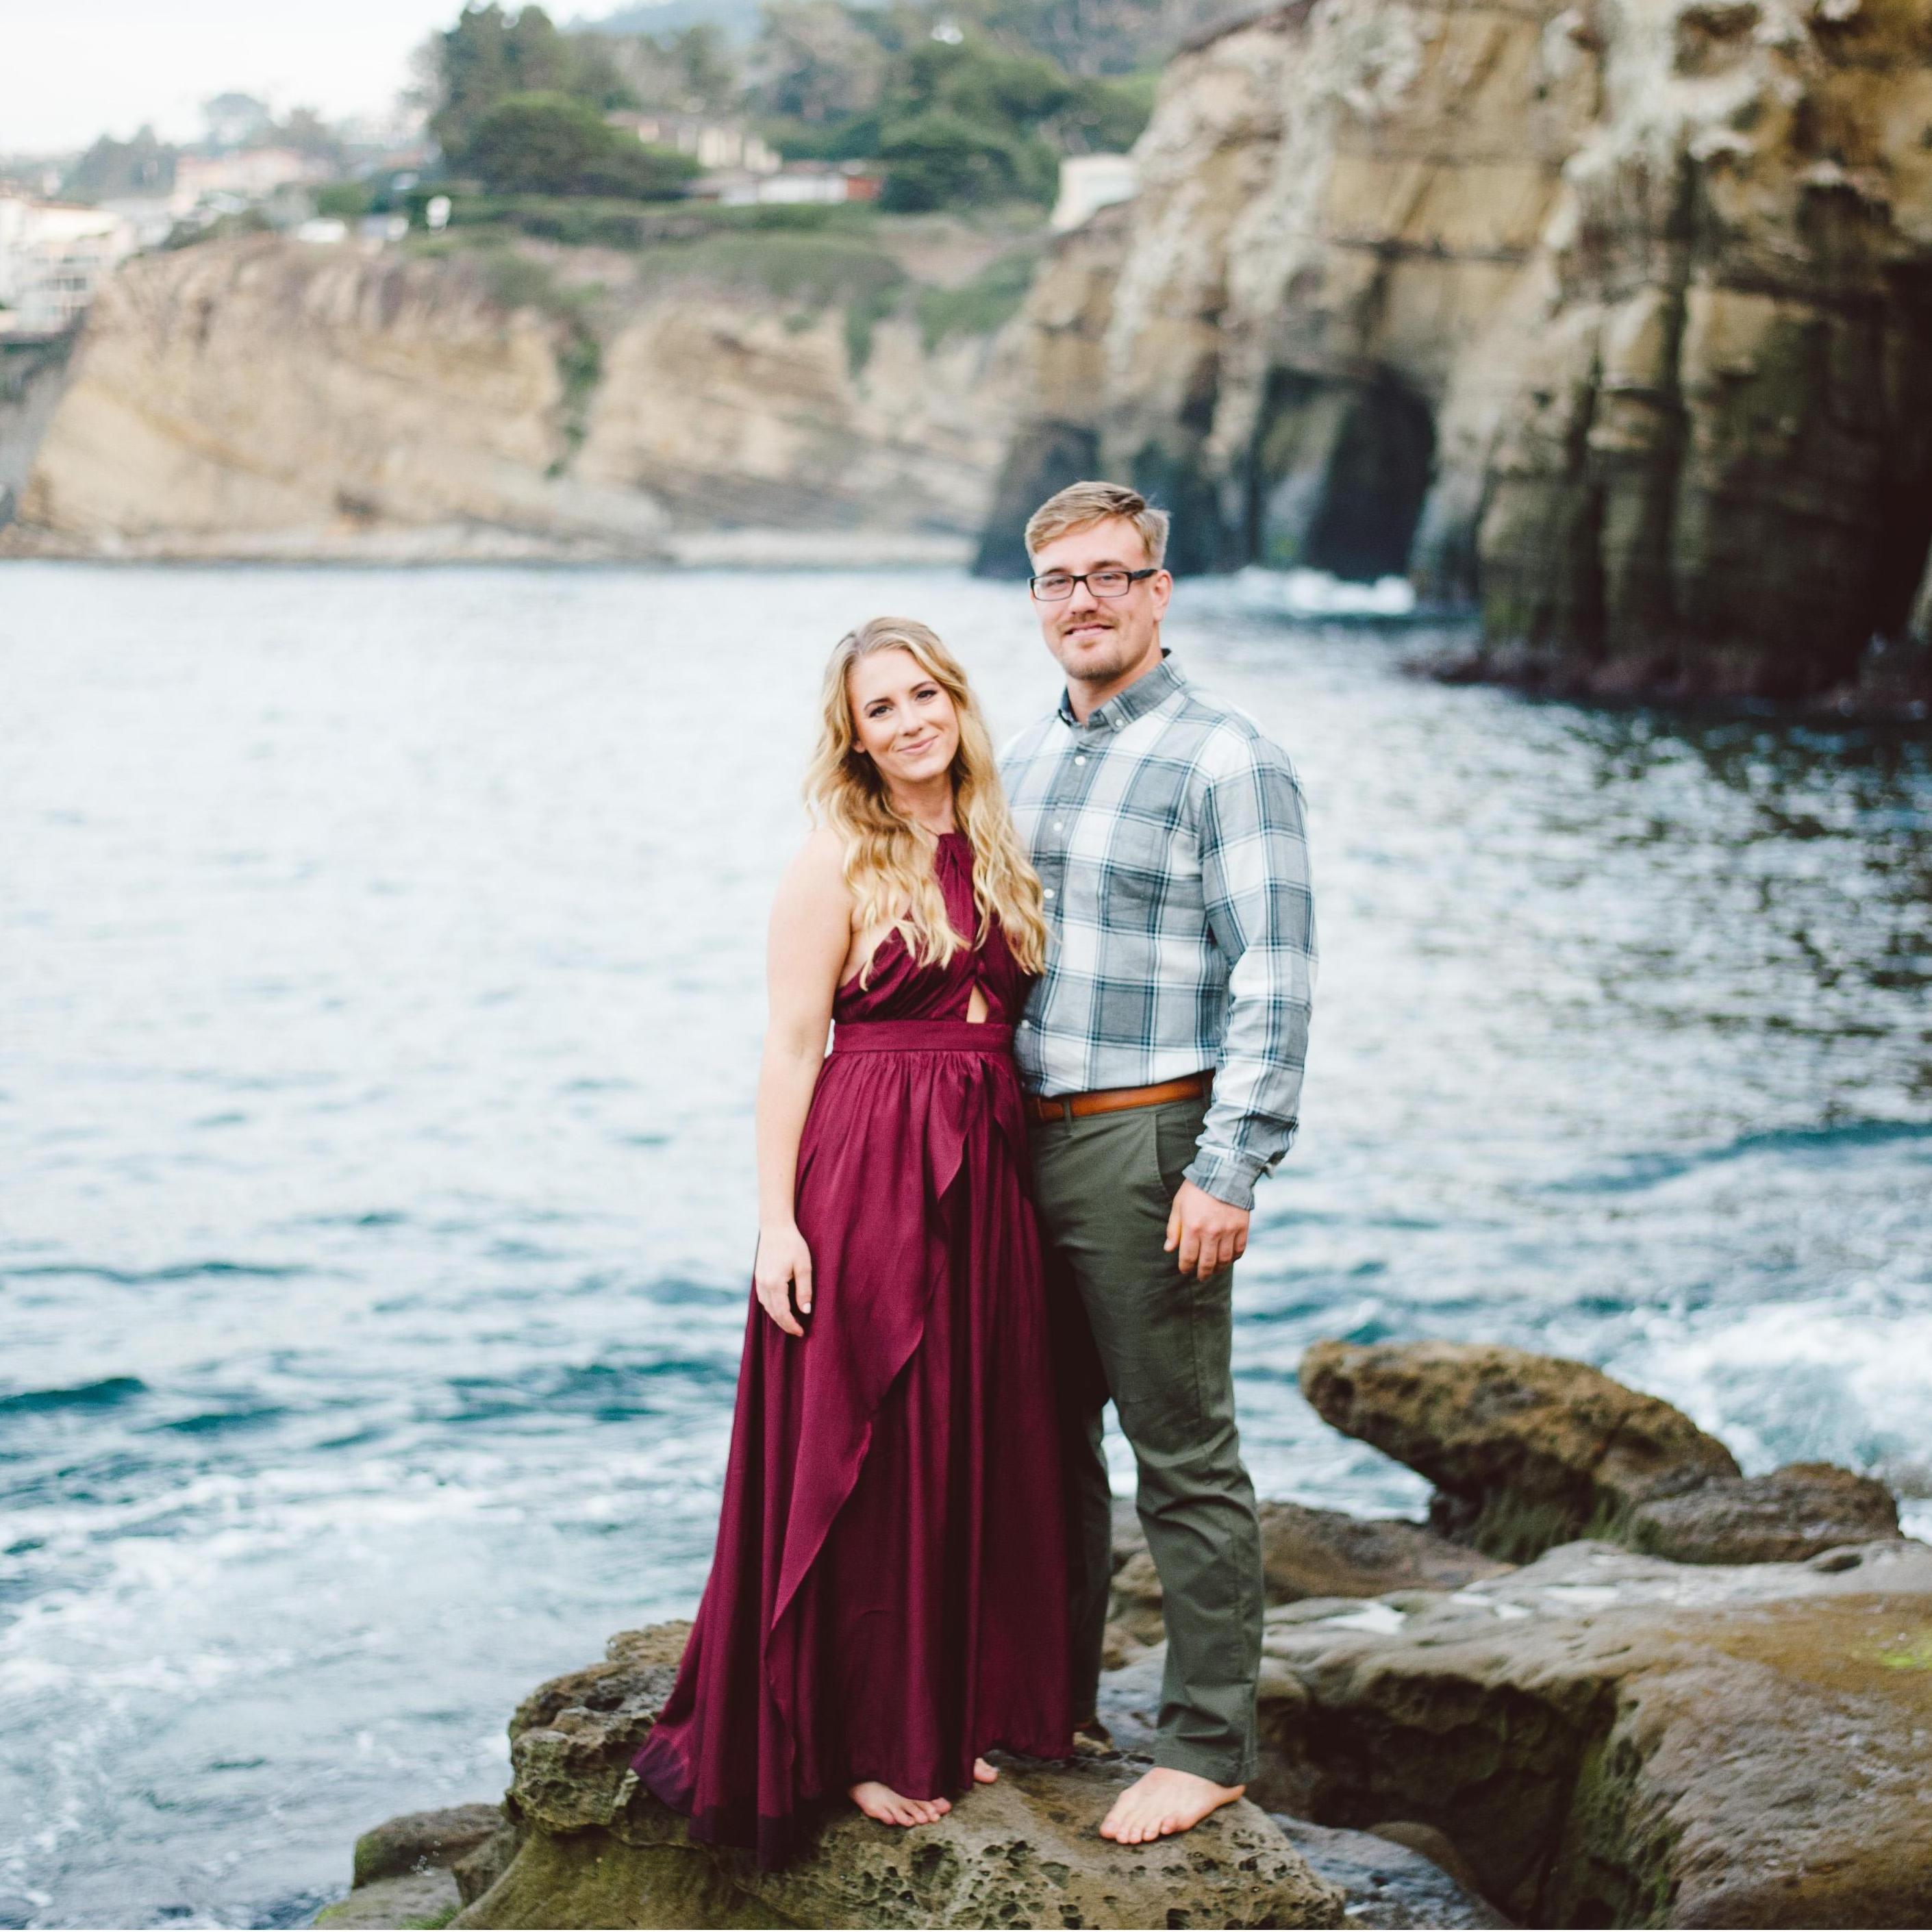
point(1140, 697)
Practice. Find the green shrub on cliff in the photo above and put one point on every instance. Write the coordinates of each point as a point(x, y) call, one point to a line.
point(491, 56)
point(940, 159)
point(550, 144)
point(980, 306)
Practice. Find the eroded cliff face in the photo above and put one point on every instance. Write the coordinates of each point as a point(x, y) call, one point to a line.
point(1612, 318)
point(265, 398)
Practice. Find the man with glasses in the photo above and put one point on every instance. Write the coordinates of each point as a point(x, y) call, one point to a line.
point(1163, 1052)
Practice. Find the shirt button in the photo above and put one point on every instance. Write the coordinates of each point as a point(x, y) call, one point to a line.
point(1049, 892)
point(1060, 825)
point(1082, 759)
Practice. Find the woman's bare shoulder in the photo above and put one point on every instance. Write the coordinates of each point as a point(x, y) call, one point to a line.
point(816, 872)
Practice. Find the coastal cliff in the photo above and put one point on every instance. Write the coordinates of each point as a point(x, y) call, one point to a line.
point(1610, 320)
point(743, 395)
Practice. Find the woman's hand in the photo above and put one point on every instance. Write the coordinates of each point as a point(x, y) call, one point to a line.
point(783, 1258)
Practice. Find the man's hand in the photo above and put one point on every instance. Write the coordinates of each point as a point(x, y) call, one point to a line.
point(1210, 1234)
point(783, 1259)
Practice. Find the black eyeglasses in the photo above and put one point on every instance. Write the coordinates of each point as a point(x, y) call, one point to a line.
point(1057, 586)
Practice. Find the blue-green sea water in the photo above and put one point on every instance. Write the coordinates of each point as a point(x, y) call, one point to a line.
point(380, 990)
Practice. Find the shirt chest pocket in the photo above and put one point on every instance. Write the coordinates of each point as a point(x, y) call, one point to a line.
point(1150, 868)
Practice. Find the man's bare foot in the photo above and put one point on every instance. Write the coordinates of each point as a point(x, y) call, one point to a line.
point(1162, 1802)
point(882, 1802)
point(983, 1773)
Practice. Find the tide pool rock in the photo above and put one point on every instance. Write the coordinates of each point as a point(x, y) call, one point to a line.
point(1525, 1451)
point(1305, 1552)
point(1613, 1739)
point(1389, 1880)
point(594, 1849)
point(1795, 1512)
point(405, 1870)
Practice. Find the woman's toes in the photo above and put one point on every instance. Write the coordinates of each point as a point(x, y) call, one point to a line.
point(983, 1773)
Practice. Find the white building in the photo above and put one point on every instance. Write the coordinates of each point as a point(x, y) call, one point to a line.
point(715, 145)
point(1090, 182)
point(240, 179)
point(53, 257)
point(796, 182)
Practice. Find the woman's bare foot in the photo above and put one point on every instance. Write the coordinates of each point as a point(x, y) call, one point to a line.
point(882, 1802)
point(983, 1773)
point(1162, 1802)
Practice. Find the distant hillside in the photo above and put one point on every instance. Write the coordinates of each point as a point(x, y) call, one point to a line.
point(1086, 37)
point(738, 19)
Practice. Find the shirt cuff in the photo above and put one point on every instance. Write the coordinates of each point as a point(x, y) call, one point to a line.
point(1228, 1176)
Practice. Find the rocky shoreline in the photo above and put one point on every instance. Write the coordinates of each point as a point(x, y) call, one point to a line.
point(1611, 1681)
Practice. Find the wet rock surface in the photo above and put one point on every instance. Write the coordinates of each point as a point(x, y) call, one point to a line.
point(1601, 1736)
point(1794, 1513)
point(1613, 1739)
point(1388, 1882)
point(1305, 1552)
point(406, 1870)
point(1524, 1451)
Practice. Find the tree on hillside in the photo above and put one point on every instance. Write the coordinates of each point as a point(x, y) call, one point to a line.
point(692, 71)
point(980, 82)
point(490, 54)
point(940, 159)
point(112, 169)
point(551, 144)
point(816, 61)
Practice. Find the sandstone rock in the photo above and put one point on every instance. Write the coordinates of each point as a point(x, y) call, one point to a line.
point(428, 1897)
point(1525, 1451)
point(1604, 318)
point(477, 1872)
point(406, 1868)
point(1068, 308)
point(1305, 1552)
point(419, 1839)
point(261, 397)
point(1388, 1882)
point(1613, 1739)
point(1312, 1552)
point(1798, 1511)
point(596, 1850)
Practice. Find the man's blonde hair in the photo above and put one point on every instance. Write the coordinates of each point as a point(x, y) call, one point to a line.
point(1080, 504)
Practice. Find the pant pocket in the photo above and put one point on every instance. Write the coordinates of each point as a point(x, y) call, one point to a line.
point(1177, 1130)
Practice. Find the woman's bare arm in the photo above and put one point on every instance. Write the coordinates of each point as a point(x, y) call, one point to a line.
point(810, 935)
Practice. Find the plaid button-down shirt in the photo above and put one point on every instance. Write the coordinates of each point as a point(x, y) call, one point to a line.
point(1168, 833)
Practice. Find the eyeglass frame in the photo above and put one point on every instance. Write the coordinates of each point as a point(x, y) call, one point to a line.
point(1074, 577)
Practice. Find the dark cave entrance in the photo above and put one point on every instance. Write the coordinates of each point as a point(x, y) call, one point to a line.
point(1340, 472)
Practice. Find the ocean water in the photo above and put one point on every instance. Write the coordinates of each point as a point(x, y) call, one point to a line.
point(380, 992)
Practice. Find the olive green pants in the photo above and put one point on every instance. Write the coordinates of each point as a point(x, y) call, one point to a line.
point(1130, 1328)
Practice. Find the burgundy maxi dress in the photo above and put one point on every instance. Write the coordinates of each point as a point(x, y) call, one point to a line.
point(888, 1596)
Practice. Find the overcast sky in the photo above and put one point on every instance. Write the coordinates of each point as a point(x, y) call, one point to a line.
point(72, 69)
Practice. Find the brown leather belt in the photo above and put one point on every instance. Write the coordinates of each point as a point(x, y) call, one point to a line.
point(1117, 1099)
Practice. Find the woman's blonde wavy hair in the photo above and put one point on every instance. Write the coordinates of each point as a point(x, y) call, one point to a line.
point(889, 860)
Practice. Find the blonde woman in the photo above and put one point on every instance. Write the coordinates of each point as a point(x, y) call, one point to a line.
point(887, 1597)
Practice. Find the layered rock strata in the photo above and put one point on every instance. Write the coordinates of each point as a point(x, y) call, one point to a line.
point(1609, 318)
point(264, 398)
